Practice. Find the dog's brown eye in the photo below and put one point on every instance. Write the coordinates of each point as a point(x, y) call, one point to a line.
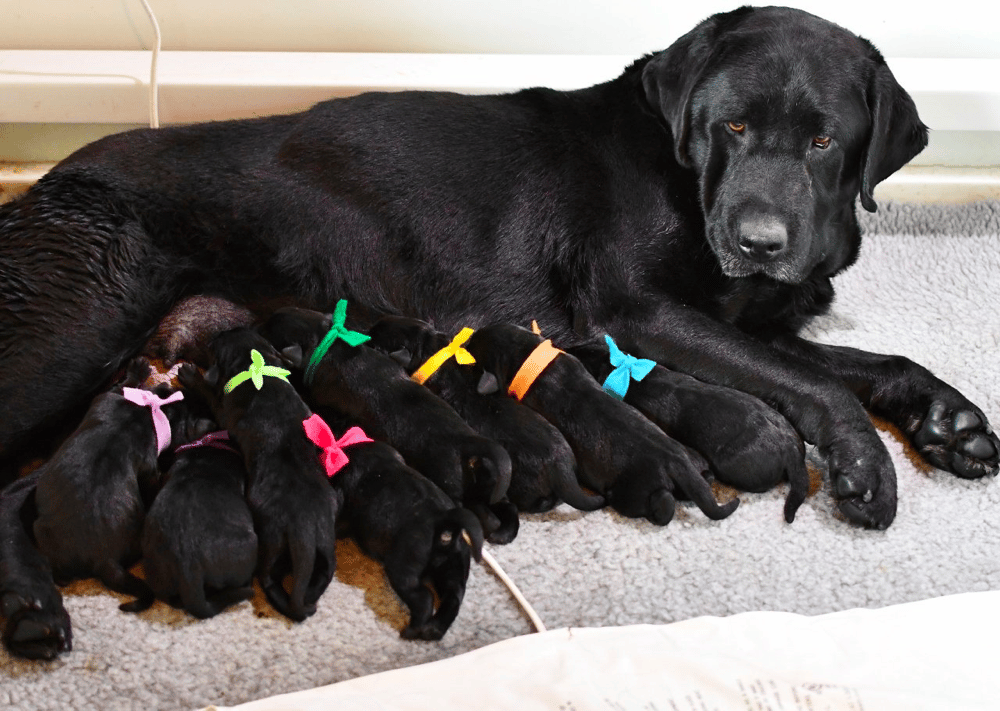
point(821, 142)
point(736, 126)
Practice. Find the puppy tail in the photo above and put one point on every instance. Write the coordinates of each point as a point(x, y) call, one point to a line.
point(454, 524)
point(798, 488)
point(115, 577)
point(568, 489)
point(488, 475)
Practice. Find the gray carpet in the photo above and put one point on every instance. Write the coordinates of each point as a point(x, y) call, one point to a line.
point(926, 287)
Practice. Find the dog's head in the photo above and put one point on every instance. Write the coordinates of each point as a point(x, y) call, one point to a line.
point(230, 353)
point(785, 118)
point(295, 332)
point(409, 341)
point(500, 350)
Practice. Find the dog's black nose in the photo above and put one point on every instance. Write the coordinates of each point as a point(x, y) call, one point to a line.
point(762, 238)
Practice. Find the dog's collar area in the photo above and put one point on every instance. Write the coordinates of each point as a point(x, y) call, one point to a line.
point(215, 440)
point(627, 369)
point(333, 457)
point(161, 425)
point(531, 368)
point(337, 330)
point(452, 350)
point(255, 373)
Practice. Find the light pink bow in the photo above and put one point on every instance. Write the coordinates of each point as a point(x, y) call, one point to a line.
point(321, 435)
point(147, 398)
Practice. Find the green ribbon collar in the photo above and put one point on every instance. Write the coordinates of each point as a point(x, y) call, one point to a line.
point(337, 330)
point(256, 372)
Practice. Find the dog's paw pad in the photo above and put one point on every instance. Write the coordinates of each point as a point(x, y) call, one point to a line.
point(848, 488)
point(32, 637)
point(960, 441)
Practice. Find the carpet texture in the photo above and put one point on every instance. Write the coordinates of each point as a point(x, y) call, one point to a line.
point(926, 286)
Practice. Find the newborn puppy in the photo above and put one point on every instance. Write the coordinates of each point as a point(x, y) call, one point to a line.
point(92, 495)
point(403, 520)
point(36, 624)
point(748, 444)
point(619, 452)
point(373, 390)
point(199, 548)
point(543, 468)
point(294, 509)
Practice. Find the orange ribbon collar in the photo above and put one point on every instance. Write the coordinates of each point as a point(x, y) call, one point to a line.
point(532, 367)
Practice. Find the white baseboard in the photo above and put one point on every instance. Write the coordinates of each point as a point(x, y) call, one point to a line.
point(92, 86)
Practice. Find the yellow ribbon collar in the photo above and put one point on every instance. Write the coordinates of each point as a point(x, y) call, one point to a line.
point(452, 350)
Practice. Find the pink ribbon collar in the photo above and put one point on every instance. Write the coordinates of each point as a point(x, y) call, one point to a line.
point(333, 456)
point(146, 398)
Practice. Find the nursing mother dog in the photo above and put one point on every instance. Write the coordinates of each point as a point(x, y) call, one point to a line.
point(695, 208)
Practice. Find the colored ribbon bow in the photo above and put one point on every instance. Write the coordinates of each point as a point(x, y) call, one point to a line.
point(216, 440)
point(256, 372)
point(453, 349)
point(161, 425)
point(337, 330)
point(333, 456)
point(627, 368)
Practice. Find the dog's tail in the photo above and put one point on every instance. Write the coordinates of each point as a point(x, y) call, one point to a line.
point(115, 577)
point(453, 524)
point(486, 473)
point(568, 489)
point(691, 479)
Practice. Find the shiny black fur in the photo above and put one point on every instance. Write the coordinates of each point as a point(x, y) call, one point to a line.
point(696, 207)
point(294, 509)
point(543, 468)
point(373, 390)
point(620, 453)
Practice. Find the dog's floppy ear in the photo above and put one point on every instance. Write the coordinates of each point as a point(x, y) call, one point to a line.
point(293, 355)
point(212, 376)
point(897, 133)
point(488, 383)
point(670, 77)
point(402, 356)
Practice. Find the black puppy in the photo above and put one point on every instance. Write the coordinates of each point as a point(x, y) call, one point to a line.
point(696, 208)
point(402, 519)
point(373, 390)
point(294, 509)
point(620, 453)
point(92, 495)
point(36, 625)
point(199, 549)
point(543, 467)
point(748, 444)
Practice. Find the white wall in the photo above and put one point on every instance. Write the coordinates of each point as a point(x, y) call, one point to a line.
point(959, 28)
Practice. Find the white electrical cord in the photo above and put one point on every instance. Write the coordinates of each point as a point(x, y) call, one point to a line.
point(490, 561)
point(154, 89)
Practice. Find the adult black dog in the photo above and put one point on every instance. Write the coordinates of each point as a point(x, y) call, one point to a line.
point(695, 208)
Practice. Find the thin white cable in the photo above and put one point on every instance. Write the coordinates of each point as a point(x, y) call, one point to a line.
point(154, 89)
point(514, 590)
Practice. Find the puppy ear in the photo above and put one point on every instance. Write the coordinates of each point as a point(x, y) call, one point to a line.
point(402, 356)
point(897, 133)
point(488, 383)
point(671, 76)
point(212, 376)
point(293, 355)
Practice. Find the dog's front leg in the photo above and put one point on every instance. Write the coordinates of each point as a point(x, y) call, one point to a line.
point(822, 409)
point(947, 429)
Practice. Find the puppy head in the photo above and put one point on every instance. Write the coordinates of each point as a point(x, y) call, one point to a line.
point(500, 350)
point(296, 332)
point(785, 118)
point(230, 353)
point(408, 341)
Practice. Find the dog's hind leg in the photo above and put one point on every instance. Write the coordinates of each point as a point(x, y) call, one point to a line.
point(37, 625)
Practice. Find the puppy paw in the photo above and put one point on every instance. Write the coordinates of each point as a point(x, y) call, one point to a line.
point(864, 480)
point(35, 630)
point(958, 440)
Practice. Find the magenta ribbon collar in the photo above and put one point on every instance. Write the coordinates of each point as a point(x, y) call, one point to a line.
point(218, 440)
point(333, 456)
point(161, 425)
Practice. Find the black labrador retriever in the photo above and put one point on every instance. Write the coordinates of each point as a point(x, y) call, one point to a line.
point(696, 208)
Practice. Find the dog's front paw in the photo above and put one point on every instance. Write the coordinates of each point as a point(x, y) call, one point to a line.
point(958, 440)
point(35, 630)
point(864, 480)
